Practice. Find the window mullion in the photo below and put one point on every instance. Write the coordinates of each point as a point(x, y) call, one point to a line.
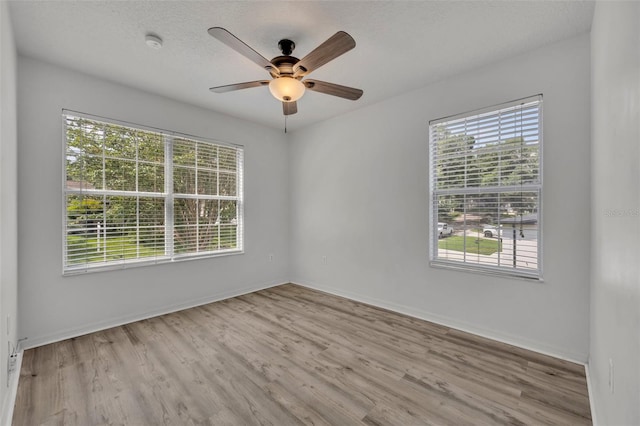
point(168, 201)
point(104, 229)
point(104, 198)
point(137, 226)
point(137, 174)
point(198, 206)
point(217, 222)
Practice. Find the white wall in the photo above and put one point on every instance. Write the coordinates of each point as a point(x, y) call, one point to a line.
point(360, 198)
point(8, 197)
point(615, 280)
point(52, 307)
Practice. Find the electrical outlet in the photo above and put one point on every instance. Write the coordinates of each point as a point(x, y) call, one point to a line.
point(270, 257)
point(12, 364)
point(611, 376)
point(11, 361)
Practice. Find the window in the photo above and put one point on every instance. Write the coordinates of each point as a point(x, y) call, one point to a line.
point(135, 196)
point(486, 189)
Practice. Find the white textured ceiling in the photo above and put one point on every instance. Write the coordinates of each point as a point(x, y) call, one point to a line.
point(400, 45)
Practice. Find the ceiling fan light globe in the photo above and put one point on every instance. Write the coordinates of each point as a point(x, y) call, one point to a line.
point(286, 89)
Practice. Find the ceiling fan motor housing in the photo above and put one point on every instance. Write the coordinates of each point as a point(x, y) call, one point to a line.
point(285, 64)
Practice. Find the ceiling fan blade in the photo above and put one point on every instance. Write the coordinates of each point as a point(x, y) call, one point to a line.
point(241, 47)
point(239, 86)
point(289, 108)
point(335, 46)
point(333, 89)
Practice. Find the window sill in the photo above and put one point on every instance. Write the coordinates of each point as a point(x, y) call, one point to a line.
point(104, 267)
point(487, 270)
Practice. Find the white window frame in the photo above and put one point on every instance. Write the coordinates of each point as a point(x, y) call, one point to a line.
point(469, 266)
point(167, 195)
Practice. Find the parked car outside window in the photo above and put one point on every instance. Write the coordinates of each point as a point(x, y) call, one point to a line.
point(444, 230)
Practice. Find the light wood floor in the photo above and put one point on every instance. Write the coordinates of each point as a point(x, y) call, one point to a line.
point(287, 356)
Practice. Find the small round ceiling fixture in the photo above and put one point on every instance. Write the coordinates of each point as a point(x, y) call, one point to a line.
point(153, 41)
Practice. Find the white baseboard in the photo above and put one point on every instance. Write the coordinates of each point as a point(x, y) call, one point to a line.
point(12, 392)
point(590, 390)
point(518, 341)
point(32, 342)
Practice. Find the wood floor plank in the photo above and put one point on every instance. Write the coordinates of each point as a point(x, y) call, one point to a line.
point(290, 355)
point(280, 363)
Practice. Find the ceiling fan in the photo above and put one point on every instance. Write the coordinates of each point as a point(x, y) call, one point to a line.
point(287, 71)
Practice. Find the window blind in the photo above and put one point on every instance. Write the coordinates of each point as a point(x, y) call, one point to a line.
point(486, 189)
point(134, 195)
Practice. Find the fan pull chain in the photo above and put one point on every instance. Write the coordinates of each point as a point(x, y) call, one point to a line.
point(285, 124)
